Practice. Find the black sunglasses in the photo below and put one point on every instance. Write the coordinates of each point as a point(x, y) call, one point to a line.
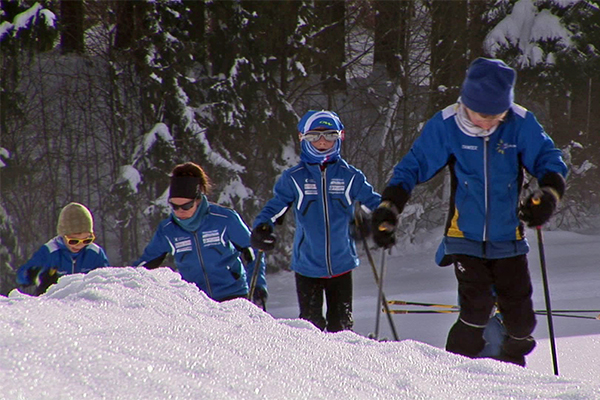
point(184, 206)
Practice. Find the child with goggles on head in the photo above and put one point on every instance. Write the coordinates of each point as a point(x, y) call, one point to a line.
point(322, 190)
point(210, 243)
point(72, 251)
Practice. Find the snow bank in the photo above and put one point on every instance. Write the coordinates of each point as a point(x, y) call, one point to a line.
point(125, 333)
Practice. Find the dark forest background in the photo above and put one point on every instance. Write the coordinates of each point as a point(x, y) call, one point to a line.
point(100, 99)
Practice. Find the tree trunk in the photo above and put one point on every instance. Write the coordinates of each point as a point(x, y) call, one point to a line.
point(449, 36)
point(71, 38)
point(390, 34)
point(222, 48)
point(331, 42)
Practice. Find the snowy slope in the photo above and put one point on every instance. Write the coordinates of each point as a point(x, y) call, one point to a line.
point(574, 283)
point(125, 333)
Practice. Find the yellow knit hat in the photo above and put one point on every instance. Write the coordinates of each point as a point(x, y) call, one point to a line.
point(75, 218)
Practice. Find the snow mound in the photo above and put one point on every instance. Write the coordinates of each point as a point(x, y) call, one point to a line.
point(129, 333)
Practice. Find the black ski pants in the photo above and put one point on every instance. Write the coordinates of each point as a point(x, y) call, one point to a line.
point(338, 292)
point(477, 280)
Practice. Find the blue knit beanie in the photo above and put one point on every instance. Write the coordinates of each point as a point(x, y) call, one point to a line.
point(489, 86)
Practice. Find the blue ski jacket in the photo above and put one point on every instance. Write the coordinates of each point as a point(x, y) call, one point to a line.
point(56, 254)
point(210, 257)
point(323, 202)
point(486, 177)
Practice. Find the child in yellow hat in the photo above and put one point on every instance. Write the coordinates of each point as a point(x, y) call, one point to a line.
point(72, 251)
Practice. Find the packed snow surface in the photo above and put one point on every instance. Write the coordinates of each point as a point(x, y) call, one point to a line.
point(127, 333)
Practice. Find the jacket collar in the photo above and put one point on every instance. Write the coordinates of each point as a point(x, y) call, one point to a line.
point(467, 127)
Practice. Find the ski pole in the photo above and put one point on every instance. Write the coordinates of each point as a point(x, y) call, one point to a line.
point(414, 303)
point(423, 311)
point(358, 220)
point(547, 295)
point(554, 312)
point(380, 293)
point(255, 274)
point(384, 300)
point(453, 311)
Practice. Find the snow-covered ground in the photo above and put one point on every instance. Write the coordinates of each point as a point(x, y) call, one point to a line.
point(573, 267)
point(125, 333)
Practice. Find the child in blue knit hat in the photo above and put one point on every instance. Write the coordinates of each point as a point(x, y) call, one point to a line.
point(322, 190)
point(487, 141)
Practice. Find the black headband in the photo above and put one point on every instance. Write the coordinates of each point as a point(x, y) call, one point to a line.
point(187, 187)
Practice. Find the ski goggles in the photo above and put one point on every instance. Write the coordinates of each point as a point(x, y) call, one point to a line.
point(329, 135)
point(184, 206)
point(75, 242)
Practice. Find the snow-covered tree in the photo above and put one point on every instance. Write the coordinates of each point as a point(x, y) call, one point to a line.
point(554, 45)
point(222, 83)
point(9, 249)
point(26, 28)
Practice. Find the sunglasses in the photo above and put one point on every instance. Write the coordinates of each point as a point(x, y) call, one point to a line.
point(329, 135)
point(184, 206)
point(75, 242)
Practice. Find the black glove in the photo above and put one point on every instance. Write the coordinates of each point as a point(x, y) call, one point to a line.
point(385, 217)
point(383, 223)
point(32, 274)
point(262, 237)
point(44, 279)
point(360, 226)
point(260, 297)
point(539, 206)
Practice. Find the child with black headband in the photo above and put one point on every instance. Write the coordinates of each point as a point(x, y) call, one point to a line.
point(210, 243)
